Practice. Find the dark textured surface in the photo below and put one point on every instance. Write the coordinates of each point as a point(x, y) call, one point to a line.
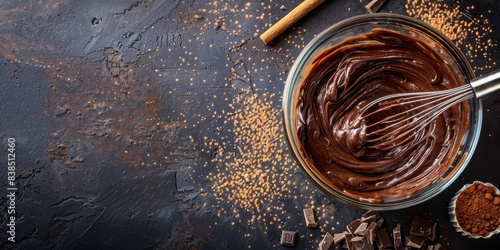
point(126, 115)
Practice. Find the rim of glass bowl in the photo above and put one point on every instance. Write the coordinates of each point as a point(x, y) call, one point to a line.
point(293, 82)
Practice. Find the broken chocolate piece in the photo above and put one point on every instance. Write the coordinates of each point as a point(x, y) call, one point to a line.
point(360, 243)
point(326, 242)
point(361, 230)
point(423, 228)
point(371, 233)
point(383, 241)
point(396, 235)
point(370, 213)
point(414, 241)
point(348, 241)
point(338, 237)
point(374, 5)
point(309, 216)
point(353, 226)
point(344, 246)
point(439, 247)
point(288, 238)
point(380, 222)
point(369, 219)
point(436, 247)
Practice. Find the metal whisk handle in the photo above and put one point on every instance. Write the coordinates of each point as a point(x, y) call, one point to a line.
point(486, 84)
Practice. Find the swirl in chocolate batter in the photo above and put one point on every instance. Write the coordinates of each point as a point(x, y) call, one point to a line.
point(347, 76)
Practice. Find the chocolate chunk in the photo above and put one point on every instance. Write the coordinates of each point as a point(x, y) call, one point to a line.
point(288, 238)
point(383, 241)
point(439, 247)
point(374, 5)
point(414, 241)
point(436, 247)
point(396, 235)
point(370, 219)
point(360, 243)
point(423, 228)
point(361, 230)
point(380, 222)
point(348, 241)
point(338, 237)
point(309, 216)
point(370, 213)
point(353, 226)
point(326, 242)
point(371, 233)
point(373, 216)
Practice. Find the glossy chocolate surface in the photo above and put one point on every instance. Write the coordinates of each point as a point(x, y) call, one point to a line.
point(347, 76)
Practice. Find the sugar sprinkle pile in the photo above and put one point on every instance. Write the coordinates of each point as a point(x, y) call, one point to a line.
point(257, 171)
point(458, 24)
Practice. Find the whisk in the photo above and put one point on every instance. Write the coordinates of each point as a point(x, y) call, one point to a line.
point(391, 119)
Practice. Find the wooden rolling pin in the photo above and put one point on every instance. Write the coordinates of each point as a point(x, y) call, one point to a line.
point(296, 14)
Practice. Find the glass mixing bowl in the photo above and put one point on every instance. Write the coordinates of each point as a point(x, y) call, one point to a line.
point(360, 25)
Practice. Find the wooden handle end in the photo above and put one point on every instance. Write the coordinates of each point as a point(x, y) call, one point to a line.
point(296, 14)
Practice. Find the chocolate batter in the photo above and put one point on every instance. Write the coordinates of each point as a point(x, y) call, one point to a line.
point(347, 76)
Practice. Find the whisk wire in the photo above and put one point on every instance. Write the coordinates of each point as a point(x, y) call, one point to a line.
point(420, 109)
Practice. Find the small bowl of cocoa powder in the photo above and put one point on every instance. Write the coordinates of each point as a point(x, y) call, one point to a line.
point(475, 210)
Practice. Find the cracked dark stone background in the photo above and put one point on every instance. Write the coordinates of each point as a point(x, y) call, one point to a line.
point(123, 111)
